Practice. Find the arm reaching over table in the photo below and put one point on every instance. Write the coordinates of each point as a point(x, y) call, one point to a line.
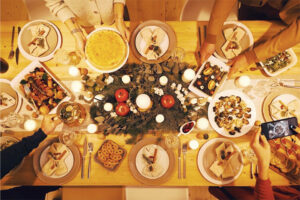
point(13, 155)
point(119, 20)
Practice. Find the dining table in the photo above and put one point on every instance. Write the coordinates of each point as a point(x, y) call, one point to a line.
point(188, 39)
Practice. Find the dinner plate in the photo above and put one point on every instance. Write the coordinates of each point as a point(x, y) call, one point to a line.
point(166, 159)
point(73, 162)
point(4, 139)
point(53, 38)
point(207, 156)
point(6, 87)
point(211, 114)
point(168, 45)
point(246, 42)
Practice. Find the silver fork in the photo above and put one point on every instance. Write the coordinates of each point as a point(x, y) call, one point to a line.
point(11, 53)
point(91, 148)
point(184, 150)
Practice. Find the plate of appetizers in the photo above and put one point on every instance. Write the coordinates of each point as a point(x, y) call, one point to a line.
point(39, 39)
point(231, 113)
point(282, 104)
point(235, 39)
point(279, 63)
point(56, 163)
point(10, 101)
point(39, 88)
point(153, 41)
point(151, 162)
point(220, 161)
point(106, 51)
point(72, 114)
point(209, 78)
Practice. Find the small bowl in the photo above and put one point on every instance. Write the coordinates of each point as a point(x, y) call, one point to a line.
point(74, 122)
point(191, 123)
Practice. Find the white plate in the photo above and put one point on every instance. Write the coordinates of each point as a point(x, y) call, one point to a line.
point(285, 98)
point(16, 82)
point(140, 43)
point(211, 114)
point(40, 58)
point(19, 100)
point(248, 33)
point(213, 61)
point(69, 161)
point(162, 159)
point(201, 159)
point(294, 60)
point(117, 68)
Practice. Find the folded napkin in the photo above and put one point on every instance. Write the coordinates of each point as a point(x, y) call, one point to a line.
point(38, 44)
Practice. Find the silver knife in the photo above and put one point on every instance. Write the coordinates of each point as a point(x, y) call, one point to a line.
point(17, 50)
point(85, 149)
point(179, 159)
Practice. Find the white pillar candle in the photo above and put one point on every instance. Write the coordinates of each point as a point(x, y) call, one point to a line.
point(163, 80)
point(30, 125)
point(126, 79)
point(74, 71)
point(193, 144)
point(143, 101)
point(188, 75)
point(202, 123)
point(242, 81)
point(92, 128)
point(108, 107)
point(76, 86)
point(159, 118)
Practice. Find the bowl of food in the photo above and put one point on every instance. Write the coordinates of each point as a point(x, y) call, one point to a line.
point(72, 114)
point(106, 51)
point(279, 63)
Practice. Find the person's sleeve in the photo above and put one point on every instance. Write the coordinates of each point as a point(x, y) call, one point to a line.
point(60, 9)
point(120, 1)
point(263, 190)
point(217, 18)
point(13, 155)
point(285, 39)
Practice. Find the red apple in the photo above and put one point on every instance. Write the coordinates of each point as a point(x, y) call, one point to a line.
point(122, 109)
point(121, 95)
point(167, 101)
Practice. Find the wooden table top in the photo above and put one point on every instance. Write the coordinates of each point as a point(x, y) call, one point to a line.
point(187, 38)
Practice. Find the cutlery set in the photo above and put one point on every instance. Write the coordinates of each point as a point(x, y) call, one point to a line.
point(182, 149)
point(12, 53)
point(87, 147)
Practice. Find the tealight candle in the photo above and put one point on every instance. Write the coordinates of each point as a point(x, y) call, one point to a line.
point(30, 125)
point(242, 81)
point(193, 144)
point(92, 128)
point(143, 101)
point(188, 75)
point(76, 86)
point(74, 71)
point(126, 79)
point(163, 80)
point(159, 118)
point(108, 107)
point(202, 123)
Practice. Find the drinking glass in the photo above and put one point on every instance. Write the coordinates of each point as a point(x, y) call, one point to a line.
point(65, 57)
point(67, 137)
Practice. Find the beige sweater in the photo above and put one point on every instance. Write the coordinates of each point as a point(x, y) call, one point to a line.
point(88, 12)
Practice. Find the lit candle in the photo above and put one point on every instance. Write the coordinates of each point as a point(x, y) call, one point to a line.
point(88, 96)
point(74, 71)
point(30, 125)
point(188, 75)
point(242, 81)
point(108, 107)
point(159, 118)
point(163, 80)
point(143, 101)
point(193, 144)
point(202, 123)
point(92, 128)
point(76, 86)
point(126, 79)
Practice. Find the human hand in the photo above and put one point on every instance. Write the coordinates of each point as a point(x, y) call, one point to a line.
point(49, 123)
point(206, 50)
point(238, 63)
point(123, 29)
point(262, 150)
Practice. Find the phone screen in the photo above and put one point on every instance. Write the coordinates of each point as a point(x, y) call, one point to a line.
point(280, 128)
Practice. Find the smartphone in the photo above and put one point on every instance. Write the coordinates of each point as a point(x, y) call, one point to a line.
point(279, 128)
